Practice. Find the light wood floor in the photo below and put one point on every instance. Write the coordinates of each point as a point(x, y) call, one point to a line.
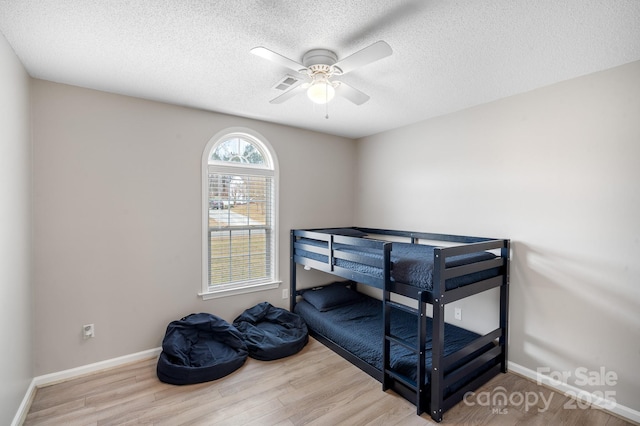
point(314, 387)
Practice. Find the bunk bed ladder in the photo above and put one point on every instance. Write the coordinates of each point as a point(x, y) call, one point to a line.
point(389, 375)
point(437, 336)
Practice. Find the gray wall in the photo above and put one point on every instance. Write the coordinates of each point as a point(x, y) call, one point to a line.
point(15, 233)
point(557, 171)
point(117, 187)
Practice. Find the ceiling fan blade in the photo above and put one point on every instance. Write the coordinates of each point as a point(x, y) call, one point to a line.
point(376, 51)
point(296, 89)
point(270, 55)
point(354, 95)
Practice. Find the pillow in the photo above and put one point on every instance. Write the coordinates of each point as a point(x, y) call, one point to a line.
point(346, 232)
point(331, 296)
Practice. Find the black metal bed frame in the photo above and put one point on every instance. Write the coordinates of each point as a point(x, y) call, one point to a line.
point(428, 397)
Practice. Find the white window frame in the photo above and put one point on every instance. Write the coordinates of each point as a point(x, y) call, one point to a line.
point(272, 169)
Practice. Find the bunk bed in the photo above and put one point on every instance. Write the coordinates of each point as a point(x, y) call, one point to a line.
point(428, 362)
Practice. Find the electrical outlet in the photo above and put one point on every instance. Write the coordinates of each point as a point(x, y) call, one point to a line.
point(285, 293)
point(88, 331)
point(457, 313)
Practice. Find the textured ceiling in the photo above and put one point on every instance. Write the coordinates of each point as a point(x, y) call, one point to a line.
point(447, 55)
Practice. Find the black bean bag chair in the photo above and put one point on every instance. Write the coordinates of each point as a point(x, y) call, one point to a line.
point(199, 348)
point(271, 333)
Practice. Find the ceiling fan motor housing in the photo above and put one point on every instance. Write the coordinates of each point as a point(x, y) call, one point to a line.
point(319, 57)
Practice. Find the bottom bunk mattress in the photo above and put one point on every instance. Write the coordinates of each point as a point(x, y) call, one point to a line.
point(358, 328)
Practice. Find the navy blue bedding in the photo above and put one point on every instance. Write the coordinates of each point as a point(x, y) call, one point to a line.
point(411, 263)
point(358, 328)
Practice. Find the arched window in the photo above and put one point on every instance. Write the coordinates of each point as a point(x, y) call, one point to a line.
point(239, 209)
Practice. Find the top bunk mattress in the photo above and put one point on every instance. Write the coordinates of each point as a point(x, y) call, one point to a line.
point(411, 264)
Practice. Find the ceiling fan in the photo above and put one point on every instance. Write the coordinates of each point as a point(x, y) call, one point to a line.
point(319, 66)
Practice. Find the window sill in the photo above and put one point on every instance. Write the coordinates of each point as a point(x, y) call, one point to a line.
point(233, 291)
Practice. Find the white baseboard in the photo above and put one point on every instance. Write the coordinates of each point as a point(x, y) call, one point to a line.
point(23, 409)
point(61, 376)
point(580, 394)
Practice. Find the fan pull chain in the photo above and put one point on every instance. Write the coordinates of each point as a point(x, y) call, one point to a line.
point(326, 104)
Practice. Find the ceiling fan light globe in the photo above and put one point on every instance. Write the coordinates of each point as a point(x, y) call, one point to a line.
point(321, 92)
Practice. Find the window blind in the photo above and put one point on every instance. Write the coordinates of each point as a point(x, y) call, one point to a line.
point(241, 240)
